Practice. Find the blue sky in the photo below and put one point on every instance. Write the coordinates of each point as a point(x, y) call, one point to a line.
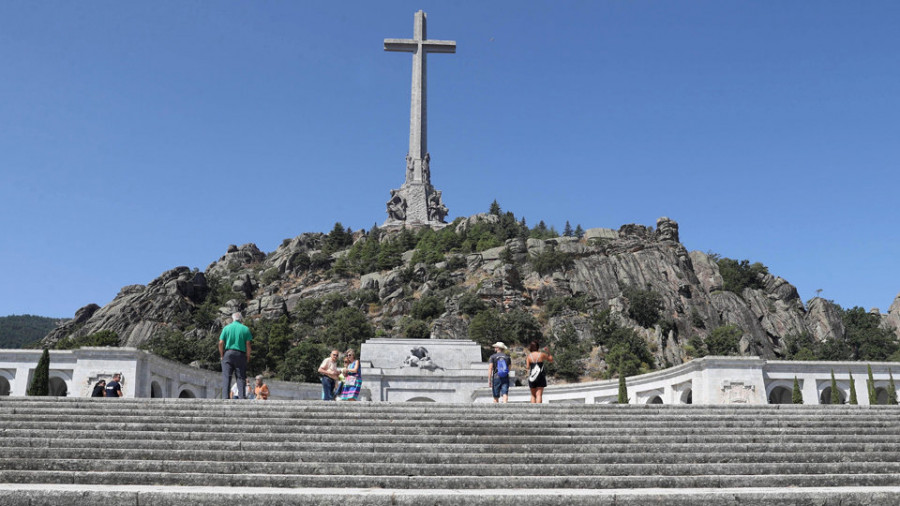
point(137, 137)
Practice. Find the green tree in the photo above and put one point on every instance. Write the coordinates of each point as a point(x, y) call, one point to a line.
point(520, 326)
point(495, 208)
point(301, 363)
point(624, 346)
point(643, 305)
point(835, 393)
point(736, 276)
point(347, 328)
point(853, 399)
point(567, 230)
point(623, 389)
point(338, 239)
point(570, 355)
point(550, 260)
point(103, 338)
point(174, 345)
point(416, 329)
point(579, 232)
point(801, 346)
point(486, 328)
point(428, 308)
point(271, 341)
point(40, 382)
point(865, 337)
point(892, 389)
point(870, 386)
point(796, 394)
point(470, 303)
point(724, 340)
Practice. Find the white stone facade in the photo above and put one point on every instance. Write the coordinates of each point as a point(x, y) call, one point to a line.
point(398, 370)
point(723, 380)
point(75, 372)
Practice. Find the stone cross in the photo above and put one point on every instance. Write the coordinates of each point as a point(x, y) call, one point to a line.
point(417, 201)
point(419, 46)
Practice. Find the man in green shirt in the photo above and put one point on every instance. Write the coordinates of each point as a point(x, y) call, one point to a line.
point(234, 350)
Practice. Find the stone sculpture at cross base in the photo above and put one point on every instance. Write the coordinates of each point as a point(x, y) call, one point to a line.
point(417, 202)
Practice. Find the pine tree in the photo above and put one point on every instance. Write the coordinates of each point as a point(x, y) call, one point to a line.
point(853, 399)
point(495, 208)
point(40, 383)
point(892, 389)
point(567, 231)
point(579, 232)
point(870, 386)
point(796, 394)
point(623, 390)
point(835, 395)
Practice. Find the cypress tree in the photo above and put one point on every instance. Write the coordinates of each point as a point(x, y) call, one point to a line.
point(870, 386)
point(892, 390)
point(853, 399)
point(40, 382)
point(623, 390)
point(835, 396)
point(796, 394)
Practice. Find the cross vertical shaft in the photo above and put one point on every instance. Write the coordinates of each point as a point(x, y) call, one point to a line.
point(419, 46)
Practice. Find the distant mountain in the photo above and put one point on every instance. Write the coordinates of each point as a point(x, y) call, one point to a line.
point(18, 331)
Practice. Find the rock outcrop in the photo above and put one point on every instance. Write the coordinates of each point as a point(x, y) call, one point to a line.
point(599, 268)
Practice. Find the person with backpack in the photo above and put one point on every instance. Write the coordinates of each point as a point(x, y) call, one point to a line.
point(498, 372)
point(537, 371)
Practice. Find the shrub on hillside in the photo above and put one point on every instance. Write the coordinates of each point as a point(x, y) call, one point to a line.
point(427, 308)
point(550, 261)
point(644, 306)
point(99, 339)
point(624, 346)
point(724, 340)
point(736, 276)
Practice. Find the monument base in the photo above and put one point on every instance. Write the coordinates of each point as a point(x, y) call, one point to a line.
point(424, 370)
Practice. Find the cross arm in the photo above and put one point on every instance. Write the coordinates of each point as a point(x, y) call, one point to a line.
point(440, 46)
point(402, 45)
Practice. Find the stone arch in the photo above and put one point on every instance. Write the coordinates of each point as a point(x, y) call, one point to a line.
point(825, 396)
point(783, 395)
point(655, 400)
point(58, 387)
point(420, 399)
point(187, 393)
point(4, 386)
point(155, 390)
point(687, 397)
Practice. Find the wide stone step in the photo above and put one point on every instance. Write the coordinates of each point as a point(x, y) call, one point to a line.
point(522, 441)
point(512, 440)
point(447, 481)
point(326, 455)
point(437, 431)
point(450, 468)
point(487, 425)
point(247, 448)
point(130, 495)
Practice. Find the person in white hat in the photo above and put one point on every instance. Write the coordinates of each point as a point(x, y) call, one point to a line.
point(498, 373)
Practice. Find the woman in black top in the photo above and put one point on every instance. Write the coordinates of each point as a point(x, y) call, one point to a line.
point(537, 372)
point(99, 389)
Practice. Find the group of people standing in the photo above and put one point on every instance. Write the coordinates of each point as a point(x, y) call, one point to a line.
point(111, 389)
point(340, 383)
point(500, 364)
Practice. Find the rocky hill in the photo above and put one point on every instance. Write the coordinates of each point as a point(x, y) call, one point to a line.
point(635, 292)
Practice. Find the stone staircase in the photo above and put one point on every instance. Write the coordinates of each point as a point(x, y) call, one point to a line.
point(194, 451)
